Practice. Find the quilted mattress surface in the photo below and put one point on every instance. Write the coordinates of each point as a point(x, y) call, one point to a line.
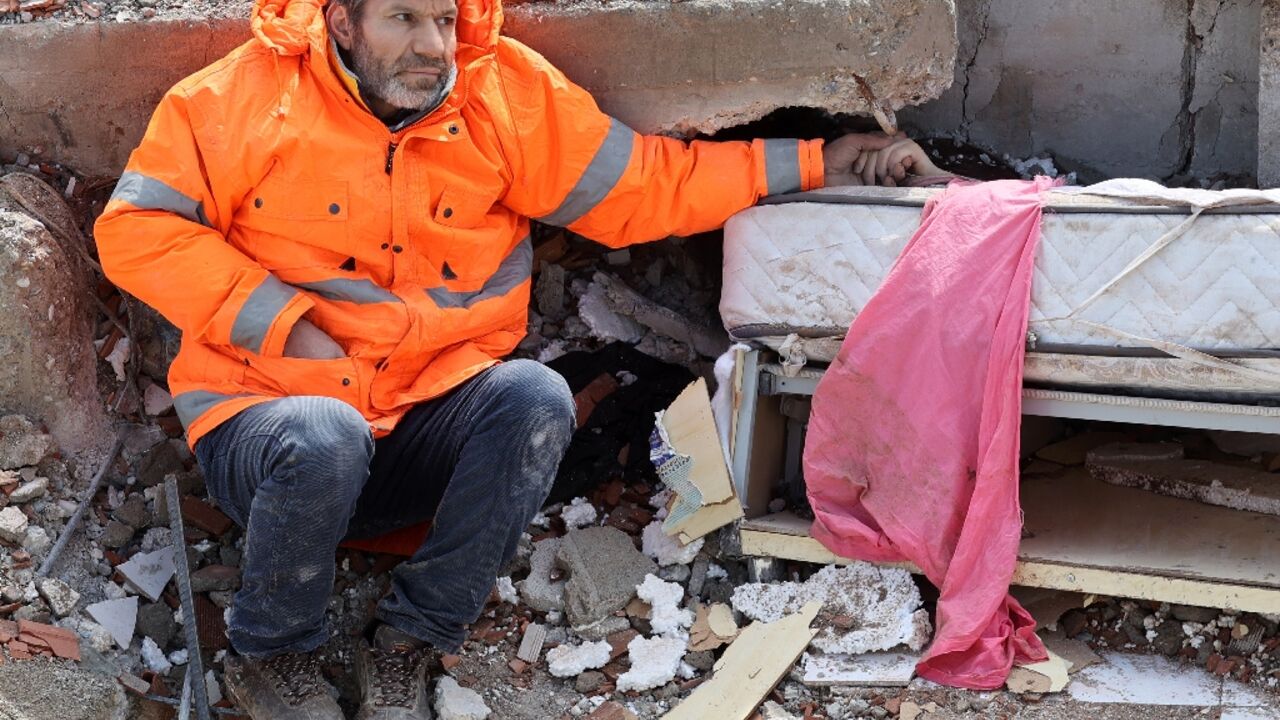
point(809, 267)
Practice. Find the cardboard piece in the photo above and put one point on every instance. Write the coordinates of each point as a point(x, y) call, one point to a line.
point(690, 460)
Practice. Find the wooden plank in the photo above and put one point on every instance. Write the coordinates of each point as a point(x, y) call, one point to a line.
point(1076, 520)
point(749, 669)
point(768, 452)
point(1090, 537)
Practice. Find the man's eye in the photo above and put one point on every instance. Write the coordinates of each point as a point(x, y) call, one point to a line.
point(445, 21)
point(403, 17)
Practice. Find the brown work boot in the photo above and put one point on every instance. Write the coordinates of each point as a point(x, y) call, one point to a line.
point(393, 678)
point(283, 687)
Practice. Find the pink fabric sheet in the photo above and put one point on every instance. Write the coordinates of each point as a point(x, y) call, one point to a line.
point(912, 451)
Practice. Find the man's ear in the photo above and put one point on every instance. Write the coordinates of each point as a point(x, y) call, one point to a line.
point(341, 24)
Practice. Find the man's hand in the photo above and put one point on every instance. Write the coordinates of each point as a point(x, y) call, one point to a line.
point(310, 342)
point(840, 155)
point(892, 165)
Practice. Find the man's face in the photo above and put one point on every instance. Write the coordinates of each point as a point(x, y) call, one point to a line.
point(402, 50)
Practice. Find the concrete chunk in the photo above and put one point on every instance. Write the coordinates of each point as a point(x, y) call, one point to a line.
point(30, 491)
point(55, 691)
point(538, 590)
point(604, 569)
point(864, 608)
point(454, 702)
point(13, 524)
point(61, 598)
point(1207, 482)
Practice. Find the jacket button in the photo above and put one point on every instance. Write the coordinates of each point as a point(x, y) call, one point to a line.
point(453, 129)
point(448, 212)
point(346, 381)
point(385, 245)
point(334, 209)
point(257, 202)
point(397, 249)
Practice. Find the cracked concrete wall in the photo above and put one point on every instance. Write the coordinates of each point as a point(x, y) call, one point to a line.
point(1150, 88)
point(1269, 97)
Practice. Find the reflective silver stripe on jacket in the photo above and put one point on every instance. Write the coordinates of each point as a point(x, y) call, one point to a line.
point(515, 269)
point(191, 405)
point(352, 290)
point(249, 331)
point(601, 175)
point(782, 166)
point(148, 193)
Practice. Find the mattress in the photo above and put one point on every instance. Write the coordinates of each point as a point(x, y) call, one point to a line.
point(807, 266)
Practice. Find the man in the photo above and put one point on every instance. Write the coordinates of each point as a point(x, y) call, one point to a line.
point(336, 217)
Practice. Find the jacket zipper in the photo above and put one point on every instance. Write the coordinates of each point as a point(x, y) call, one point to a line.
point(391, 156)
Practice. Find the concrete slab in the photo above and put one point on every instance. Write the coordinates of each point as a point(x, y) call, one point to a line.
point(1145, 680)
point(648, 64)
point(1269, 96)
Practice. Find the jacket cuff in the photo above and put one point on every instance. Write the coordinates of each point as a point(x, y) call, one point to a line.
point(812, 168)
point(262, 322)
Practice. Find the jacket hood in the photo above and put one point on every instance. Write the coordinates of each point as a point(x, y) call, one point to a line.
point(290, 27)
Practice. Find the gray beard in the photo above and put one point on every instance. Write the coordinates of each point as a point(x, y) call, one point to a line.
point(382, 83)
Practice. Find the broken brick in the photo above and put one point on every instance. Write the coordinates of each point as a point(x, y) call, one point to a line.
point(449, 662)
point(8, 630)
point(518, 666)
point(612, 711)
point(204, 516)
point(619, 642)
point(210, 625)
point(63, 642)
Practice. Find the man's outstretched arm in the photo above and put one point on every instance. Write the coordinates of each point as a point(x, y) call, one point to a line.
point(576, 167)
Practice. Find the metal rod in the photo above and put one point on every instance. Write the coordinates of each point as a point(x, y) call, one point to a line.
point(230, 712)
point(74, 522)
point(184, 705)
point(195, 663)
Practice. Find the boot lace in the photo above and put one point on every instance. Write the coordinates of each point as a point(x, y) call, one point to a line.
point(395, 675)
point(295, 676)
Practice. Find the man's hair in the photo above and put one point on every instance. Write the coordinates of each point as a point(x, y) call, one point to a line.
point(353, 6)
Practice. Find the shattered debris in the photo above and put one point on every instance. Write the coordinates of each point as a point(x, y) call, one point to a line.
point(570, 660)
point(604, 569)
point(654, 662)
point(1166, 473)
point(454, 702)
point(864, 608)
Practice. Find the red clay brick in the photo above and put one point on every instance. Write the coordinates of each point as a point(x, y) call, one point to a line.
point(204, 516)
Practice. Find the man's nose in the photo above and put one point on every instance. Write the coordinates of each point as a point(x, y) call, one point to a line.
point(429, 40)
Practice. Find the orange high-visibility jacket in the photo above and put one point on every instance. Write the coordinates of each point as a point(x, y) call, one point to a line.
point(265, 190)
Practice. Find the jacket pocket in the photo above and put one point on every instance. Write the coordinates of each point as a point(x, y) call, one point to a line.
point(335, 378)
point(472, 237)
point(287, 223)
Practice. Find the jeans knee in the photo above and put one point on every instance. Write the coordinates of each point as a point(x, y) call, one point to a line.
point(538, 396)
point(327, 443)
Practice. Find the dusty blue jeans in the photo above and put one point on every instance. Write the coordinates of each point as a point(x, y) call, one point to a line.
point(302, 473)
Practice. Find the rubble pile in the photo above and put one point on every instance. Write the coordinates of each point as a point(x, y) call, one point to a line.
point(1243, 646)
